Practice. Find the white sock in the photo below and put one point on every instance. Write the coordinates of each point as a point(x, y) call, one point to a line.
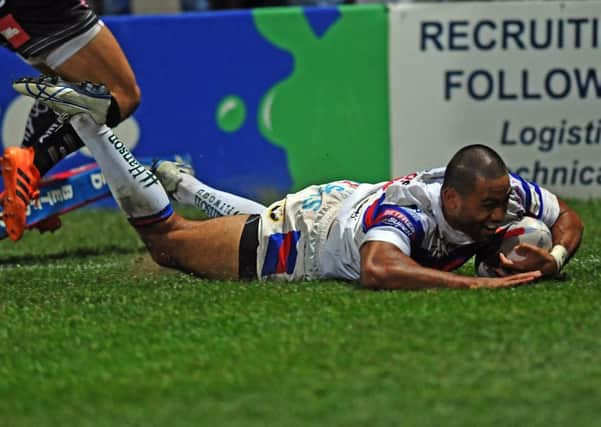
point(190, 191)
point(136, 189)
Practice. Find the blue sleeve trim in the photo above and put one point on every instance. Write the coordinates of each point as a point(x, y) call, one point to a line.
point(540, 198)
point(526, 188)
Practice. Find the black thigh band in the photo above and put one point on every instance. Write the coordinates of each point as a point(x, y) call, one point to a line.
point(247, 254)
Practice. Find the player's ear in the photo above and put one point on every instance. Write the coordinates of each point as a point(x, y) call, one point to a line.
point(451, 200)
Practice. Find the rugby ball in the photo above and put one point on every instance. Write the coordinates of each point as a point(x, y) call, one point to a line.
point(527, 230)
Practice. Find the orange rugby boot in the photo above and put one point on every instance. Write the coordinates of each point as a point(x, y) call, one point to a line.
point(21, 179)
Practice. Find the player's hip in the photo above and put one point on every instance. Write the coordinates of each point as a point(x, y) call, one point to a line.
point(293, 231)
point(34, 28)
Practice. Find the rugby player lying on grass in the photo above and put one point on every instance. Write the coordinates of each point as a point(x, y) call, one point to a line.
point(408, 233)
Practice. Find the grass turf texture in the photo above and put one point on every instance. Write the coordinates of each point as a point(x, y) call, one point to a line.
point(92, 334)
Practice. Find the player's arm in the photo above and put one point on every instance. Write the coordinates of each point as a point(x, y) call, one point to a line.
point(567, 230)
point(567, 234)
point(385, 266)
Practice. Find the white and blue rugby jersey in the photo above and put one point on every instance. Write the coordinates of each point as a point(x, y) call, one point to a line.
point(407, 213)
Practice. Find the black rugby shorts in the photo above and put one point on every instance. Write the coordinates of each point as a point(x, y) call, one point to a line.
point(247, 254)
point(34, 28)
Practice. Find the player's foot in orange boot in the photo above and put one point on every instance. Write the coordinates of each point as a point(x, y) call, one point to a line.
point(21, 179)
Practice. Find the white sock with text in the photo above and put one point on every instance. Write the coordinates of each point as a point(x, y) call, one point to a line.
point(136, 189)
point(190, 191)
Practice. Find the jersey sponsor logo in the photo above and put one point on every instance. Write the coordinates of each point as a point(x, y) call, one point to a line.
point(13, 32)
point(394, 217)
point(397, 217)
point(314, 201)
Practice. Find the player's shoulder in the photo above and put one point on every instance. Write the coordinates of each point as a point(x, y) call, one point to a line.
point(409, 220)
point(526, 189)
point(533, 199)
point(519, 183)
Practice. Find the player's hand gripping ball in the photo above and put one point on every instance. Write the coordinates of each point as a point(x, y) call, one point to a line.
point(527, 230)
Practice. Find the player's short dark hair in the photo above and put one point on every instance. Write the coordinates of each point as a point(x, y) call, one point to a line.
point(471, 163)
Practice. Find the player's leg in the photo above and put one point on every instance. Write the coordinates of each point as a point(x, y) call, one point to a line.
point(210, 248)
point(183, 187)
point(102, 61)
point(96, 57)
point(50, 136)
point(76, 46)
point(69, 39)
point(47, 140)
point(80, 186)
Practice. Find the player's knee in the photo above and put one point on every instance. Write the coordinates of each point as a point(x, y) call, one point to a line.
point(135, 98)
point(163, 258)
point(160, 253)
point(128, 98)
point(157, 241)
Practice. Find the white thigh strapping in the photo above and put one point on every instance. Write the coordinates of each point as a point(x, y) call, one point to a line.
point(61, 54)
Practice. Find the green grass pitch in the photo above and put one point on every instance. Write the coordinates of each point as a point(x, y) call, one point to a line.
point(93, 334)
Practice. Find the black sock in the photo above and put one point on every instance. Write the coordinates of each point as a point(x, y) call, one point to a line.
point(51, 138)
point(113, 116)
point(41, 122)
point(63, 142)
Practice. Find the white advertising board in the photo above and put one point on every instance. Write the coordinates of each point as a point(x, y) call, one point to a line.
point(521, 77)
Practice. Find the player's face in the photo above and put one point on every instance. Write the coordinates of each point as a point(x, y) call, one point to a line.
point(482, 211)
